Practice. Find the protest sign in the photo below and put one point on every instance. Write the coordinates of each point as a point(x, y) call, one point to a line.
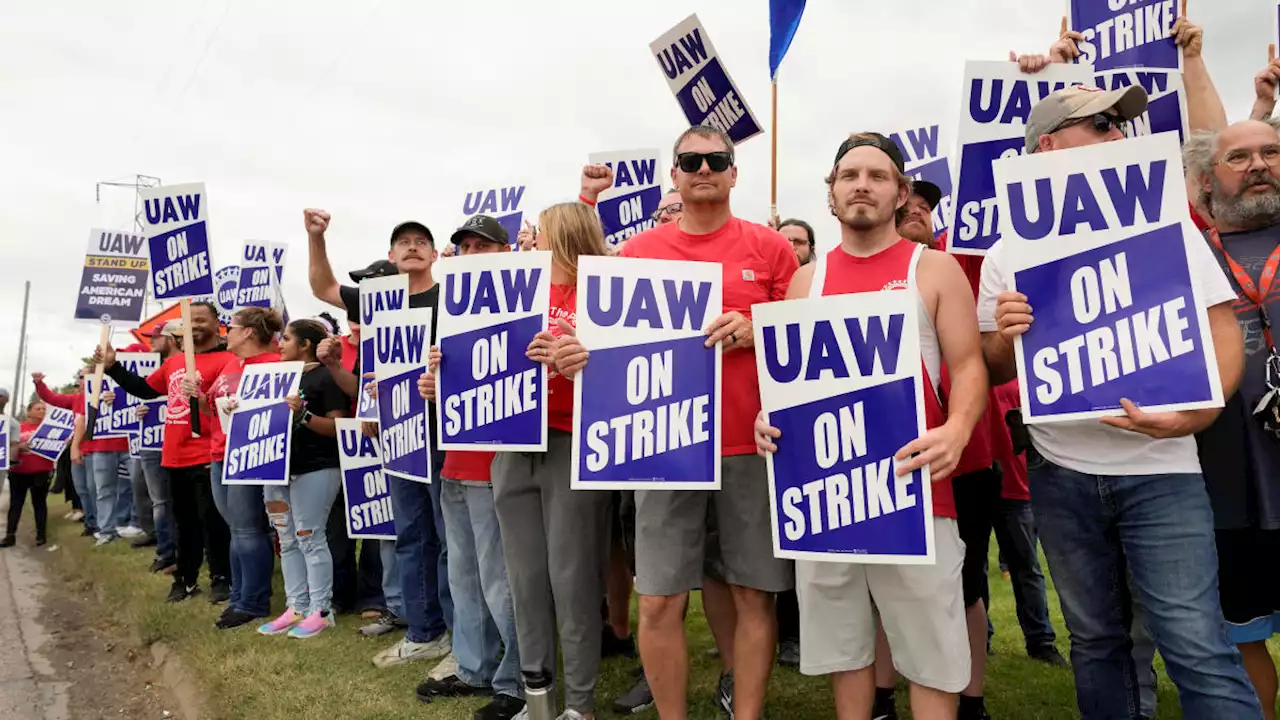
point(700, 82)
point(627, 208)
point(103, 416)
point(256, 284)
point(489, 395)
point(997, 99)
point(227, 289)
point(377, 295)
point(176, 224)
point(135, 446)
point(122, 411)
point(364, 488)
point(646, 409)
point(4, 442)
point(278, 253)
point(1166, 100)
point(261, 429)
point(1100, 240)
point(53, 434)
point(840, 376)
point(925, 162)
point(402, 339)
point(113, 286)
point(1126, 33)
point(151, 426)
point(501, 204)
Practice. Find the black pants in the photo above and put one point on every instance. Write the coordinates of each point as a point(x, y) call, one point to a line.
point(357, 574)
point(787, 611)
point(977, 506)
point(19, 485)
point(62, 480)
point(200, 528)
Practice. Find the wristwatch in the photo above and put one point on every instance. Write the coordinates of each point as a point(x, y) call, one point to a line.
point(305, 417)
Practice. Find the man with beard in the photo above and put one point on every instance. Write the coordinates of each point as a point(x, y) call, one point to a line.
point(915, 218)
point(800, 233)
point(1239, 171)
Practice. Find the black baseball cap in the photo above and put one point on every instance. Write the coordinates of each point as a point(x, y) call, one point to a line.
point(931, 193)
point(875, 140)
point(376, 269)
point(411, 226)
point(481, 226)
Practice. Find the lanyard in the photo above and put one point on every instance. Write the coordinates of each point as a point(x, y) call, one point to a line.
point(1248, 287)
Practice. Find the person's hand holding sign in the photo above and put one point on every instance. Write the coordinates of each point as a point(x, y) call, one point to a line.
point(731, 328)
point(540, 349)
point(1065, 48)
point(106, 355)
point(595, 180)
point(141, 411)
point(427, 380)
point(939, 449)
point(1013, 315)
point(1161, 425)
point(1264, 87)
point(568, 354)
point(190, 385)
point(108, 397)
point(765, 435)
point(1188, 35)
point(295, 404)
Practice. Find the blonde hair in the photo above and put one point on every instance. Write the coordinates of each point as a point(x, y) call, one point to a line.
point(572, 229)
point(264, 323)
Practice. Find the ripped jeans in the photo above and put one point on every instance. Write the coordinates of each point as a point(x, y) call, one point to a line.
point(298, 511)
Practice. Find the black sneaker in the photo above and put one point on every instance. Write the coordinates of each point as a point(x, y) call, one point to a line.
point(613, 646)
point(452, 686)
point(789, 653)
point(162, 564)
point(219, 590)
point(1049, 655)
point(503, 707)
point(637, 699)
point(724, 694)
point(142, 542)
point(40, 541)
point(8, 541)
point(88, 532)
point(234, 618)
point(179, 592)
point(884, 709)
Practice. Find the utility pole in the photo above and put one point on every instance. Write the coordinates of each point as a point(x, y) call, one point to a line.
point(18, 400)
point(137, 184)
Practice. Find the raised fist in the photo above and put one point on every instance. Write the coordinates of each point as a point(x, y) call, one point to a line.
point(595, 180)
point(37, 377)
point(317, 221)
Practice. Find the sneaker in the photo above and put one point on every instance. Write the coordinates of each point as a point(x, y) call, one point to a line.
point(129, 532)
point(724, 694)
point(8, 541)
point(406, 652)
point(503, 707)
point(104, 540)
point(637, 699)
point(40, 541)
point(445, 668)
point(282, 624)
point(312, 625)
point(219, 590)
point(164, 565)
point(387, 622)
point(1049, 655)
point(234, 619)
point(69, 515)
point(451, 686)
point(613, 646)
point(571, 715)
point(76, 516)
point(884, 710)
point(142, 542)
point(179, 592)
point(789, 653)
point(89, 532)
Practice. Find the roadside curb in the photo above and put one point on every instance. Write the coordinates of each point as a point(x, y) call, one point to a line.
point(176, 678)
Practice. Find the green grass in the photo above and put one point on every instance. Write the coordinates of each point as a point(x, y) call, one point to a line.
point(244, 675)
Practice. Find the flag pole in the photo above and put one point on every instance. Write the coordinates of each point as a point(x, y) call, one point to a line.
point(773, 162)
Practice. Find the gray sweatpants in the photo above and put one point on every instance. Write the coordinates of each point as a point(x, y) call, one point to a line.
point(555, 540)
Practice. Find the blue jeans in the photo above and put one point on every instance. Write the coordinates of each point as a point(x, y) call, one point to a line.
point(392, 583)
point(299, 512)
point(114, 501)
point(1159, 528)
point(143, 517)
point(484, 619)
point(1019, 546)
point(82, 479)
point(161, 504)
point(252, 557)
point(422, 555)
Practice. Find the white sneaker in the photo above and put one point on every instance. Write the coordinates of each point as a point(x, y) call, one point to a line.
point(129, 532)
point(103, 540)
point(405, 652)
point(571, 715)
point(446, 667)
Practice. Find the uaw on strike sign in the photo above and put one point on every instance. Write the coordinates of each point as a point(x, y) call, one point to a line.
point(840, 376)
point(1100, 241)
point(260, 436)
point(177, 225)
point(402, 339)
point(700, 81)
point(647, 405)
point(377, 295)
point(113, 287)
point(627, 207)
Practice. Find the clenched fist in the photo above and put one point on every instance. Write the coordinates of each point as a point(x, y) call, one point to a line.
point(316, 221)
point(329, 352)
point(595, 180)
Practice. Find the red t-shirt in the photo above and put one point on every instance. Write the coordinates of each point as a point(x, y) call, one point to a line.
point(225, 385)
point(467, 466)
point(564, 306)
point(1004, 398)
point(350, 354)
point(180, 449)
point(758, 264)
point(29, 463)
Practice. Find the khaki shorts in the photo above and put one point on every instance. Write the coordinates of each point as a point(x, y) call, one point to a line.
point(672, 548)
point(921, 607)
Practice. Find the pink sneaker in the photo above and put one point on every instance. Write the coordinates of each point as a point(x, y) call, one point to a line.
point(312, 625)
point(281, 624)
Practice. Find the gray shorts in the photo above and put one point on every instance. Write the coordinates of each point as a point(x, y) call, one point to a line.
point(673, 550)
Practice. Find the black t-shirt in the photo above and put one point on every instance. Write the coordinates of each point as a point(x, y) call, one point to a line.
point(321, 395)
point(1239, 460)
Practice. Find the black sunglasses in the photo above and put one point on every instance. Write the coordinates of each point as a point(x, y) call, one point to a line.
point(691, 162)
point(1102, 123)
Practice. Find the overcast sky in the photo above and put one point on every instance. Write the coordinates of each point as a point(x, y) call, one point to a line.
point(386, 110)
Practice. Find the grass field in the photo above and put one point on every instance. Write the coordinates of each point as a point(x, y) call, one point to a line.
point(244, 675)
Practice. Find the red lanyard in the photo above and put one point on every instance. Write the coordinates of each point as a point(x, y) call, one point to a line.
point(1247, 286)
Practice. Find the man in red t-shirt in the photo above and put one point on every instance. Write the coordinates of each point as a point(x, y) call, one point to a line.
point(672, 553)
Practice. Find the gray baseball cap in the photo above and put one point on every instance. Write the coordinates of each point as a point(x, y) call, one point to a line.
point(4, 392)
point(1081, 101)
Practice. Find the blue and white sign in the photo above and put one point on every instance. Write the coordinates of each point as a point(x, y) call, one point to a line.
point(257, 284)
point(700, 82)
point(646, 409)
point(1127, 33)
point(226, 283)
point(152, 425)
point(1099, 240)
point(503, 204)
point(1166, 100)
point(377, 295)
point(135, 446)
point(103, 427)
point(489, 395)
point(53, 434)
point(997, 99)
point(364, 488)
point(122, 412)
point(402, 340)
point(4, 442)
point(926, 162)
point(627, 208)
point(840, 376)
point(176, 223)
point(261, 428)
point(113, 286)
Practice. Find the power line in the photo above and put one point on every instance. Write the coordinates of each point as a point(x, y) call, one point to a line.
point(203, 53)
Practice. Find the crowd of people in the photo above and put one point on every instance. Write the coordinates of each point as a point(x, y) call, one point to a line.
point(1156, 526)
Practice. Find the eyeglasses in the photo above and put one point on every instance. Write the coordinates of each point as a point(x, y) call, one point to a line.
point(691, 162)
point(418, 242)
point(672, 209)
point(1240, 159)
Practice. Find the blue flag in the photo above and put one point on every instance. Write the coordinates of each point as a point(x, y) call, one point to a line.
point(784, 19)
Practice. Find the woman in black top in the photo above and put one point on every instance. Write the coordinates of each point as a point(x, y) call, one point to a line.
point(298, 511)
